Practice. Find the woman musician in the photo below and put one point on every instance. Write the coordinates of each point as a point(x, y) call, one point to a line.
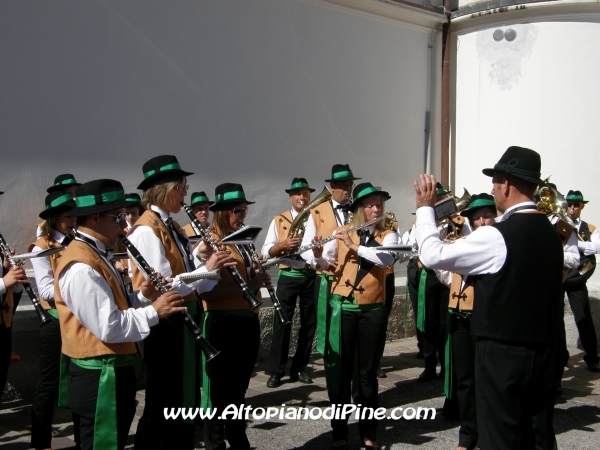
point(171, 356)
point(358, 317)
point(56, 231)
point(230, 326)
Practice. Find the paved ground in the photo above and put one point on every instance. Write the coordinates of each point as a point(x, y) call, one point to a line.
point(577, 415)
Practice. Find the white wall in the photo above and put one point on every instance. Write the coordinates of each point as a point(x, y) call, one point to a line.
point(249, 91)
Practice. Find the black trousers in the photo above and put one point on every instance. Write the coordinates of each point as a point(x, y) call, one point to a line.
point(514, 394)
point(238, 339)
point(288, 290)
point(580, 305)
point(463, 358)
point(83, 395)
point(164, 358)
point(46, 390)
point(362, 337)
point(5, 350)
point(413, 274)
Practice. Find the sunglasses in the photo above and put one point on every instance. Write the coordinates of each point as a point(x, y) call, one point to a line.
point(239, 211)
point(181, 187)
point(119, 218)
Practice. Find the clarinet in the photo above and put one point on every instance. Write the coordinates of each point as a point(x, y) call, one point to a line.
point(276, 304)
point(209, 351)
point(41, 312)
point(235, 274)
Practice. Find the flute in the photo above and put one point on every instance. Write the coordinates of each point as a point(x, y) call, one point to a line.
point(41, 312)
point(209, 351)
point(235, 274)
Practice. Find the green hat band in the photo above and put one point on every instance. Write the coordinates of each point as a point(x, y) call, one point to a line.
point(69, 181)
point(299, 185)
point(441, 192)
point(59, 201)
point(575, 197)
point(200, 199)
point(480, 202)
point(366, 191)
point(107, 197)
point(173, 166)
point(511, 168)
point(235, 195)
point(345, 173)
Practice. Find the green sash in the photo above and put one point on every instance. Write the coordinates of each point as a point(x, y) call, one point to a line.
point(105, 421)
point(205, 401)
point(63, 396)
point(334, 347)
point(421, 301)
point(448, 357)
point(53, 312)
point(297, 273)
point(322, 311)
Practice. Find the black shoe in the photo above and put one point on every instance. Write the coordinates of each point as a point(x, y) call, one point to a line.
point(381, 373)
point(420, 354)
point(274, 381)
point(427, 375)
point(593, 367)
point(301, 377)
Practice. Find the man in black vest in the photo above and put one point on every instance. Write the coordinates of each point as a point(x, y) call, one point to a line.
point(517, 266)
point(575, 283)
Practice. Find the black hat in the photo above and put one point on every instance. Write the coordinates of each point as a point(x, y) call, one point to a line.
point(133, 199)
point(98, 196)
point(519, 162)
point(63, 181)
point(161, 169)
point(57, 203)
point(226, 194)
point(363, 190)
point(341, 172)
point(482, 200)
point(299, 183)
point(200, 197)
point(576, 196)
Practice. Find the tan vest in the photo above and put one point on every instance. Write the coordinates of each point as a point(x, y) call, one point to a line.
point(373, 284)
point(461, 300)
point(325, 223)
point(77, 341)
point(283, 222)
point(189, 230)
point(44, 243)
point(236, 301)
point(172, 252)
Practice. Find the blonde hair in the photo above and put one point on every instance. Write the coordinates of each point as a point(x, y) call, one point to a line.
point(157, 194)
point(358, 217)
point(49, 227)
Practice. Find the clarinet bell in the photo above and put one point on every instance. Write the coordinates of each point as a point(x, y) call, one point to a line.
point(282, 319)
point(209, 351)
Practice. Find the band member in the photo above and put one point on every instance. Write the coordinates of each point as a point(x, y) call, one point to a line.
point(460, 367)
point(575, 283)
point(517, 268)
point(358, 316)
point(292, 284)
point(99, 322)
point(11, 288)
point(323, 220)
point(171, 356)
point(429, 298)
point(57, 229)
point(199, 204)
point(133, 210)
point(230, 326)
point(62, 183)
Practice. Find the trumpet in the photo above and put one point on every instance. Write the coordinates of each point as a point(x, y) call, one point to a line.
point(234, 272)
point(298, 225)
point(209, 351)
point(41, 312)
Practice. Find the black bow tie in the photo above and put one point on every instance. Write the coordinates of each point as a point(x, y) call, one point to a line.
point(345, 207)
point(169, 221)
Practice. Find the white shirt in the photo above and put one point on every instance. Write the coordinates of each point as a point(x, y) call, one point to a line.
point(153, 251)
point(571, 253)
point(310, 232)
point(44, 277)
point(272, 237)
point(380, 257)
point(90, 299)
point(592, 247)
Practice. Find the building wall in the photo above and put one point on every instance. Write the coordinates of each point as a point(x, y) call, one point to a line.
point(256, 92)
